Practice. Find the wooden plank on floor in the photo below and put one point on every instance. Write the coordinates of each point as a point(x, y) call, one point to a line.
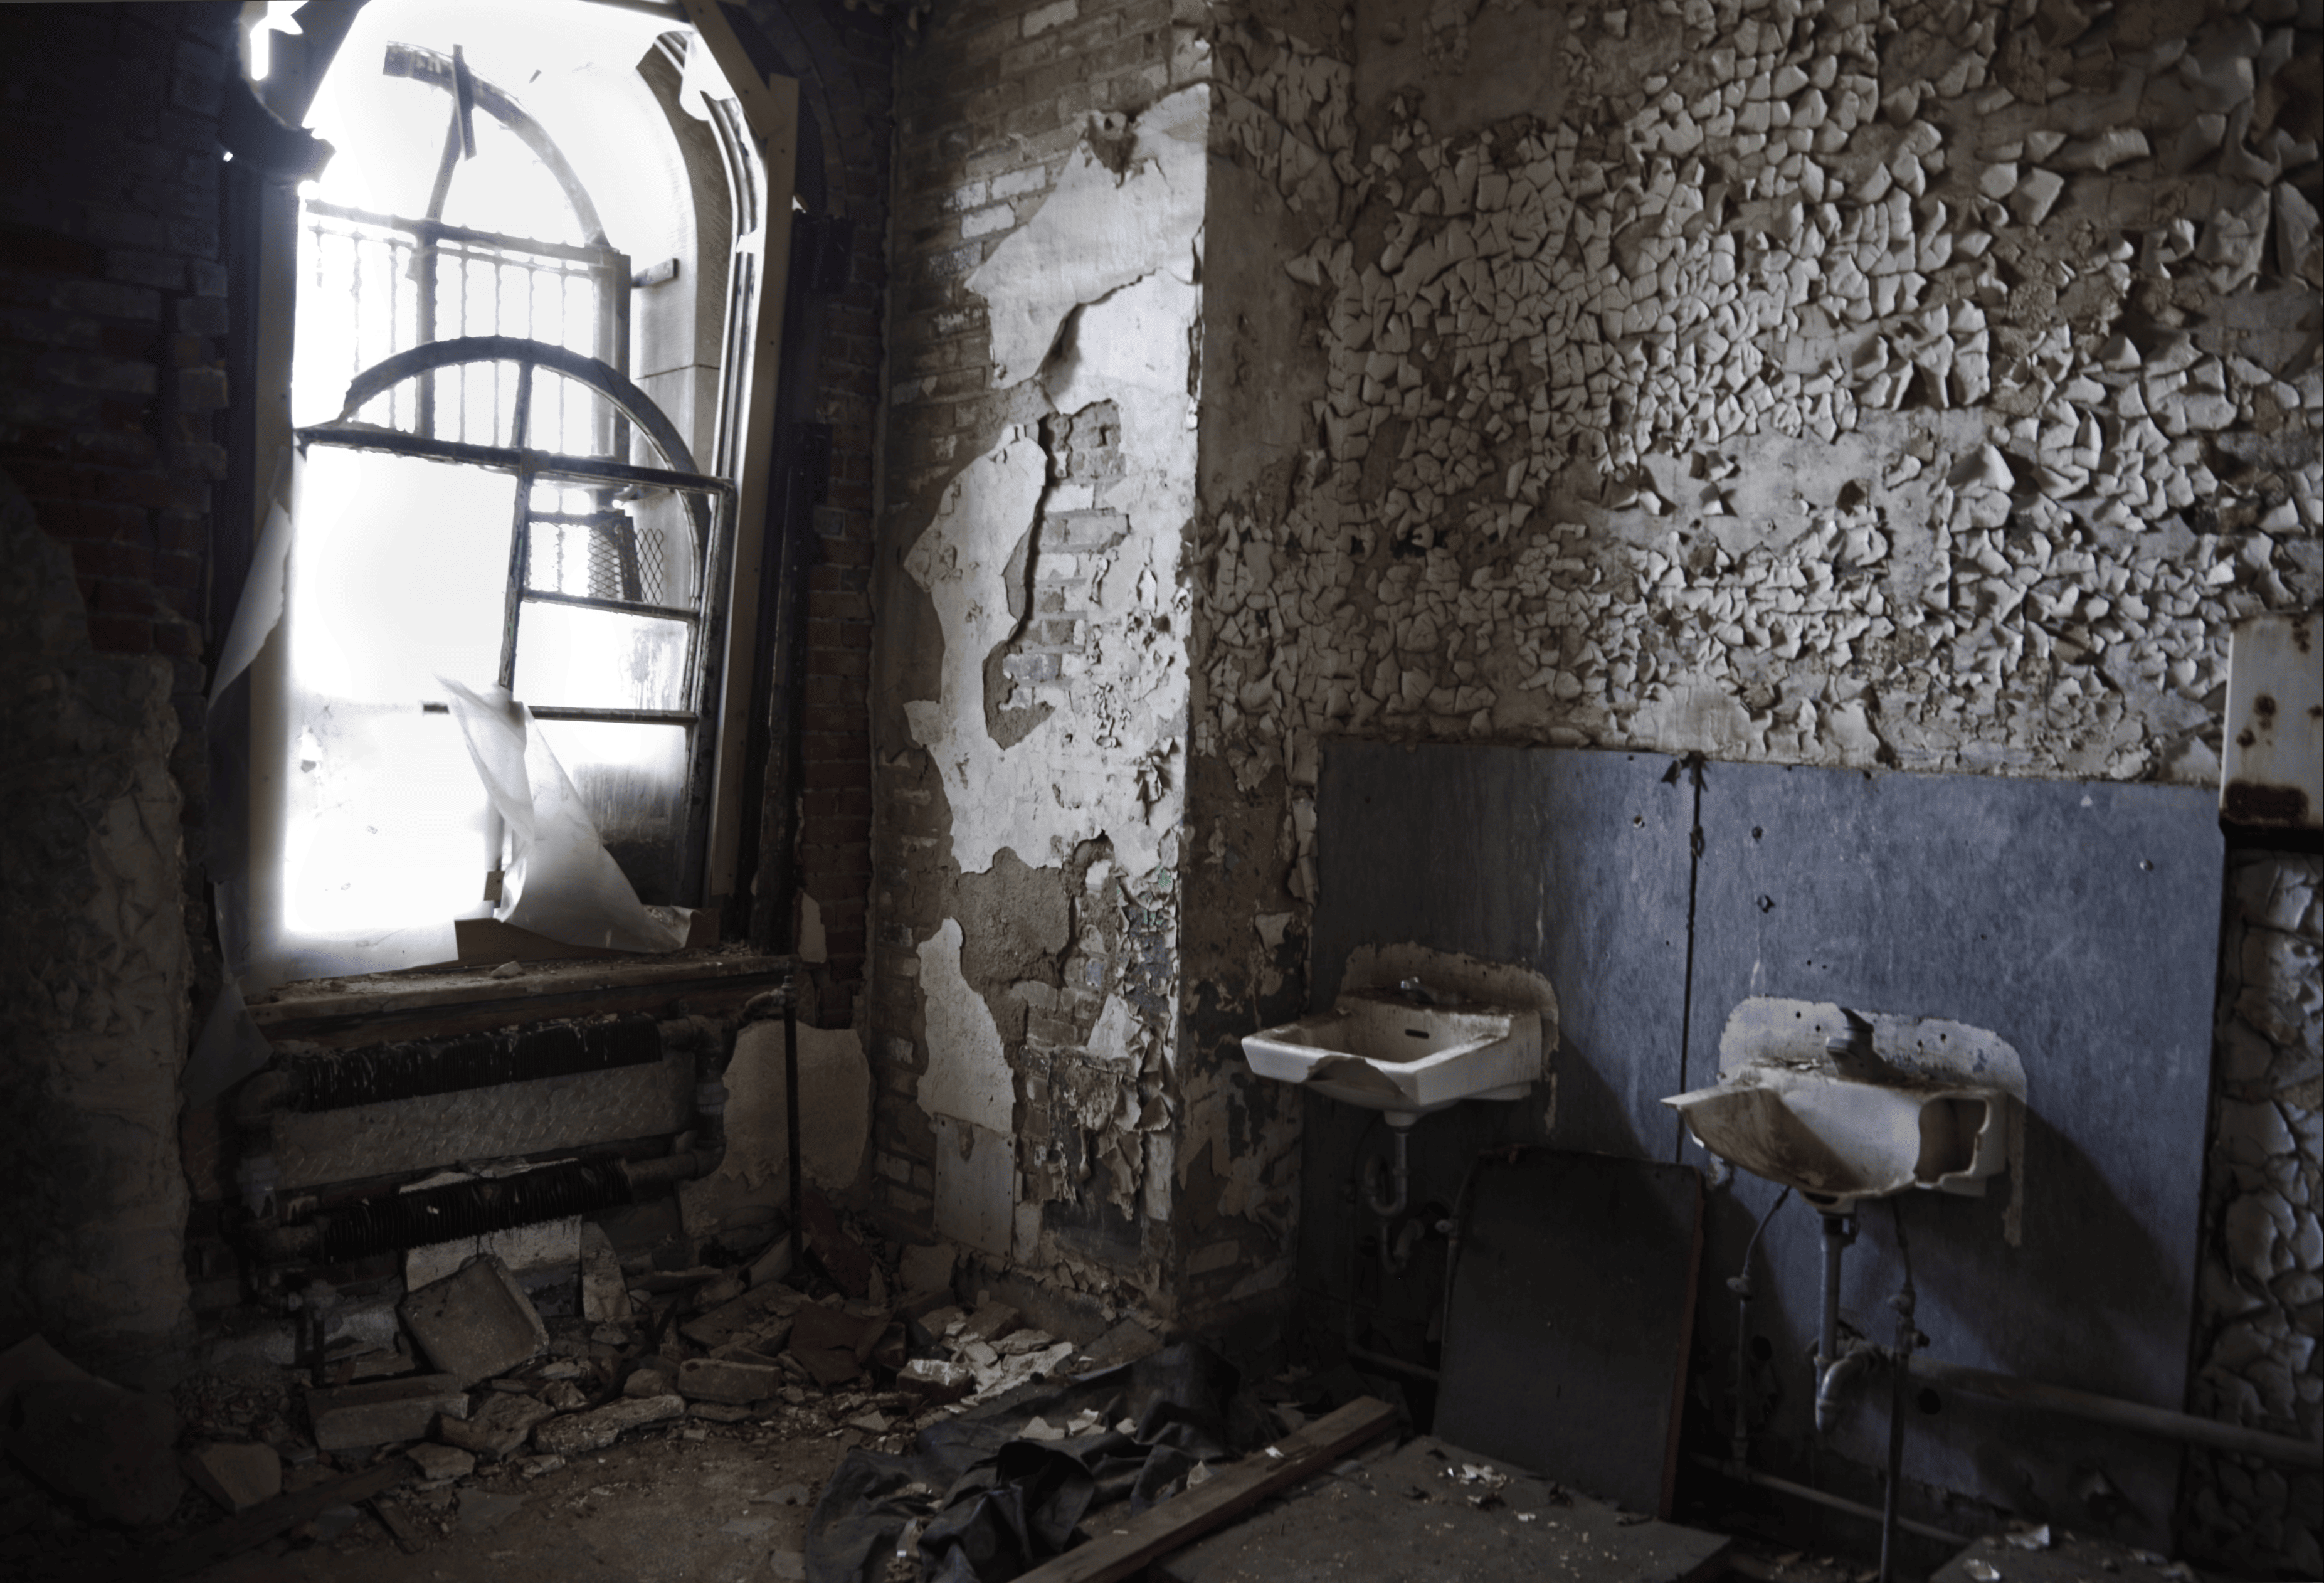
point(1432, 1513)
point(1229, 1492)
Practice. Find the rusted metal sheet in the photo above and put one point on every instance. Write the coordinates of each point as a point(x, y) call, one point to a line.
point(2273, 771)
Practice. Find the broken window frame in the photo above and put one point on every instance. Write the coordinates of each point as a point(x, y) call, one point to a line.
point(755, 128)
point(713, 526)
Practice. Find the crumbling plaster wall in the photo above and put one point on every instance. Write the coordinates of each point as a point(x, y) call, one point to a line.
point(2262, 1298)
point(93, 971)
point(1033, 610)
point(1917, 387)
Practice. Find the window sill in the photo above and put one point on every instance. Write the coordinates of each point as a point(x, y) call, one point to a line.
point(377, 1008)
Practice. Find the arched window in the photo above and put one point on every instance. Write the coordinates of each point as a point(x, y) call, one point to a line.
point(501, 541)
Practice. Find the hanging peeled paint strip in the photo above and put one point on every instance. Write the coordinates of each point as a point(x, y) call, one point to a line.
point(560, 881)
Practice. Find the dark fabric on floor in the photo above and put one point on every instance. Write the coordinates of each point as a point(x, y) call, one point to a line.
point(996, 1504)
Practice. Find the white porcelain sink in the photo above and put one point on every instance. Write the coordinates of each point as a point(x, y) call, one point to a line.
point(1843, 1105)
point(1386, 1051)
point(1838, 1140)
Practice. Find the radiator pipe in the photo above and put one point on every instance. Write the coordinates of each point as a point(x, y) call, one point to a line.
point(706, 1142)
point(1742, 1475)
point(263, 1100)
point(2120, 1414)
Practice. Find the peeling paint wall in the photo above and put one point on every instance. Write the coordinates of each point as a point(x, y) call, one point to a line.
point(1820, 382)
point(1034, 616)
point(2261, 1303)
point(1823, 382)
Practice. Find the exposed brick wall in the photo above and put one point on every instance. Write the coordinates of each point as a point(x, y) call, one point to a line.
point(842, 60)
point(112, 306)
point(992, 97)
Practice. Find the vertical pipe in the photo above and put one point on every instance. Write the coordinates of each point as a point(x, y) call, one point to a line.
point(1828, 1338)
point(1899, 1367)
point(791, 1119)
point(1888, 1514)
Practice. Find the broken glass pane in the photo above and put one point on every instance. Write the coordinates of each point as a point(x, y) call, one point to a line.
point(600, 658)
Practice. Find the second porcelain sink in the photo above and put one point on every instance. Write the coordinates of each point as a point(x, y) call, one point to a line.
point(1838, 1140)
point(1389, 1051)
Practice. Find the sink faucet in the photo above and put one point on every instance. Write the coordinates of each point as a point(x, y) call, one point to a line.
point(1417, 993)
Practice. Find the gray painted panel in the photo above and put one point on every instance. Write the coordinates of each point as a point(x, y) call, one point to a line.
point(2079, 921)
point(1571, 863)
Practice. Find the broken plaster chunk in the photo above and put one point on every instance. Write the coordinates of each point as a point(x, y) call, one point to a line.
point(594, 1431)
point(2036, 196)
point(2104, 152)
point(2197, 138)
point(1985, 466)
point(236, 1476)
point(477, 1323)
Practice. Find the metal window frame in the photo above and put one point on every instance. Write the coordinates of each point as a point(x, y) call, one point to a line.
point(710, 502)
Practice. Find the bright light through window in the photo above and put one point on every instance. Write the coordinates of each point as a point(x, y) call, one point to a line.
point(401, 568)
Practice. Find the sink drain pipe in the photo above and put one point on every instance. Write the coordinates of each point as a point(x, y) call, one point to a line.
point(1399, 1171)
point(1834, 1364)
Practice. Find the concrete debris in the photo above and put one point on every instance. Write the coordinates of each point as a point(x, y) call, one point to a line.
point(705, 1379)
point(649, 1380)
point(477, 1323)
point(761, 1316)
point(834, 1346)
point(935, 1380)
point(236, 1476)
point(383, 1413)
point(575, 1432)
point(604, 1290)
point(843, 1258)
point(435, 1462)
point(927, 1268)
point(500, 1426)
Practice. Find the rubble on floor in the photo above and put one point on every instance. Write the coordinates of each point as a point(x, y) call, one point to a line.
point(476, 1393)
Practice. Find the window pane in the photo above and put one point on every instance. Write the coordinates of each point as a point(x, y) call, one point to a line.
point(386, 819)
point(398, 574)
point(632, 779)
point(600, 658)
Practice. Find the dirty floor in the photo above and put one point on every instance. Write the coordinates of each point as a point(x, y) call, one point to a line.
point(659, 1509)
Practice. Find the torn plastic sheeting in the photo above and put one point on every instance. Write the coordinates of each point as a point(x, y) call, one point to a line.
point(230, 1049)
point(260, 610)
point(561, 881)
point(1007, 1503)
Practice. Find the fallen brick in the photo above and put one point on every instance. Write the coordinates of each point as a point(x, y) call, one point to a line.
point(711, 1379)
point(384, 1411)
point(594, 1430)
point(237, 1477)
point(435, 1462)
point(499, 1427)
point(477, 1323)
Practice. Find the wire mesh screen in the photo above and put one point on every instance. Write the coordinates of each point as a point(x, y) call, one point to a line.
point(600, 555)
